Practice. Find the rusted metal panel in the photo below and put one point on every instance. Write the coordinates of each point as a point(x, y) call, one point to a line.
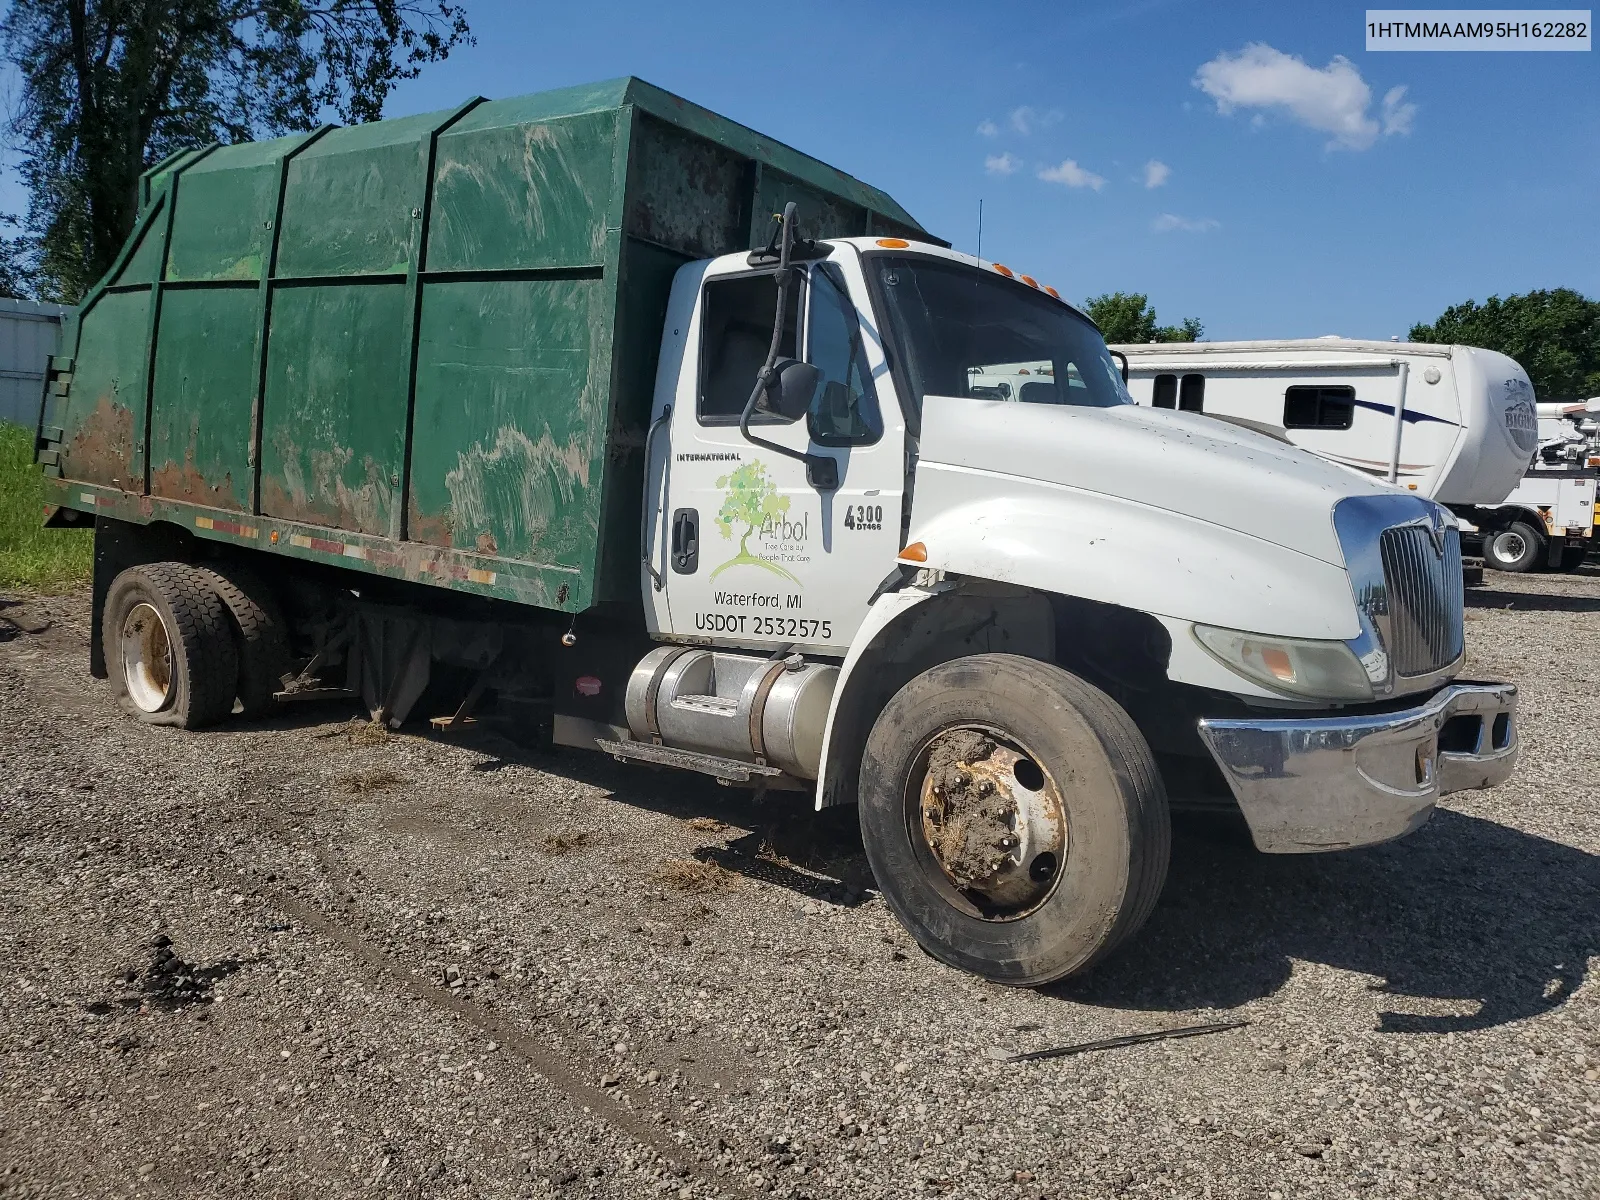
point(514, 193)
point(333, 418)
point(200, 423)
point(510, 429)
point(423, 347)
point(107, 393)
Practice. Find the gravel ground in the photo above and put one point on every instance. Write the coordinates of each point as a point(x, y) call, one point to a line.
point(291, 960)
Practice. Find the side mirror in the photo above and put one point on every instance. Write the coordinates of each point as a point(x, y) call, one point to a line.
point(790, 395)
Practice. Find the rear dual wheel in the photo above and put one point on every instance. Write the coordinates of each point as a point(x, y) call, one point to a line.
point(1014, 818)
point(186, 643)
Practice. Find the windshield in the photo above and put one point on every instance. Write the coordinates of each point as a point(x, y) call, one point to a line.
point(957, 331)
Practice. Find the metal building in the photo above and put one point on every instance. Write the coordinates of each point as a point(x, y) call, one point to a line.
point(29, 335)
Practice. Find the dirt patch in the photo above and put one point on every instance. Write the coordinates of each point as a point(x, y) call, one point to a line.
point(357, 732)
point(566, 843)
point(692, 875)
point(379, 780)
point(967, 819)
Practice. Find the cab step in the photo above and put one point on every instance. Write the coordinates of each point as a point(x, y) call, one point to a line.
point(729, 770)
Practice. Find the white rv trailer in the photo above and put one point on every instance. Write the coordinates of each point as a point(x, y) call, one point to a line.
point(1454, 423)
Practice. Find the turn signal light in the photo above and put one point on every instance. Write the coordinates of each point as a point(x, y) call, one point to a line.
point(916, 552)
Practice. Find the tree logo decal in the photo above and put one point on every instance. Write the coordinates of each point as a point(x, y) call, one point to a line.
point(753, 501)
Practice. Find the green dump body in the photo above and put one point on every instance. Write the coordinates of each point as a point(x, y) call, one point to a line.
point(423, 347)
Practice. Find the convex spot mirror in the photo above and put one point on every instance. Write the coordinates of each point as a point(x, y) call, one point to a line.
point(790, 394)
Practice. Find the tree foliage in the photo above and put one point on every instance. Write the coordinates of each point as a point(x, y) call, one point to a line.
point(1128, 317)
point(1554, 334)
point(111, 87)
point(16, 262)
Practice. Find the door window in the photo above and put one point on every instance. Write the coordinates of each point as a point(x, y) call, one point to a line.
point(736, 318)
point(845, 411)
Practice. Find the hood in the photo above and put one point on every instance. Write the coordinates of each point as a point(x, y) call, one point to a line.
point(1182, 462)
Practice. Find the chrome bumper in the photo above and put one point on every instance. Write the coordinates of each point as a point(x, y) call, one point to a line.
point(1326, 783)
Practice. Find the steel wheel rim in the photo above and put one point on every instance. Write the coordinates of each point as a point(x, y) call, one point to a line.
point(146, 658)
point(1510, 546)
point(987, 821)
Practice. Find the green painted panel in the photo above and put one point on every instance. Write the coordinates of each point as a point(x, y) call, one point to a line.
point(225, 201)
point(333, 421)
point(508, 447)
point(145, 260)
point(521, 194)
point(200, 422)
point(686, 192)
point(106, 401)
point(349, 199)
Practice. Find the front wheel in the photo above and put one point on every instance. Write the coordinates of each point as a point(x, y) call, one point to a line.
point(1518, 548)
point(1014, 818)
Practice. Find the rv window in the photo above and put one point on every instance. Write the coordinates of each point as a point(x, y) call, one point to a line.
point(1319, 407)
point(1166, 391)
point(1192, 397)
point(735, 330)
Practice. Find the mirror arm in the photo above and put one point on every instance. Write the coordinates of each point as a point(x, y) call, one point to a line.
point(764, 376)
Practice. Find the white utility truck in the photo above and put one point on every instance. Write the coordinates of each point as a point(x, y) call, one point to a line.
point(825, 555)
point(1548, 519)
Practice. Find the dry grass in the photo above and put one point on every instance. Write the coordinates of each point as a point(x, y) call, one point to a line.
point(566, 843)
point(705, 824)
point(692, 875)
point(379, 780)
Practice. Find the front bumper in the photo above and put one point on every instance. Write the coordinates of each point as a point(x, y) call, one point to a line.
point(1326, 783)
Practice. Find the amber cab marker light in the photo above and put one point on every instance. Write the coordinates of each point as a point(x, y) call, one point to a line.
point(1052, 291)
point(1005, 270)
point(916, 552)
point(893, 243)
point(1029, 280)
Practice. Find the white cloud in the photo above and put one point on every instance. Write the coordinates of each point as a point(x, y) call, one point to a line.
point(1333, 100)
point(987, 128)
point(1156, 173)
point(1026, 119)
point(1002, 164)
point(1072, 175)
point(1397, 113)
point(1167, 222)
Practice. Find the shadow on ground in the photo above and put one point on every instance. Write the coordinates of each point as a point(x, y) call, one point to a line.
point(1497, 922)
point(1531, 601)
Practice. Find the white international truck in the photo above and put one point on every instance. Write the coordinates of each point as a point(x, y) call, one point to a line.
point(819, 553)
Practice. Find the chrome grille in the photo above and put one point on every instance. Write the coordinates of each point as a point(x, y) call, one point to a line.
point(1424, 586)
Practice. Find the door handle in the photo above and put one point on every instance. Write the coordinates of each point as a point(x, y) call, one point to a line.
point(686, 541)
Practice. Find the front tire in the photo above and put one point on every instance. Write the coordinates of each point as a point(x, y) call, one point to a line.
point(1516, 548)
point(169, 646)
point(1014, 818)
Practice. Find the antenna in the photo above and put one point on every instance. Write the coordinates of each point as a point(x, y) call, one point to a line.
point(980, 228)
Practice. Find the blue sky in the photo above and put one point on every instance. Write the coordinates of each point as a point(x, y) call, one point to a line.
point(1321, 201)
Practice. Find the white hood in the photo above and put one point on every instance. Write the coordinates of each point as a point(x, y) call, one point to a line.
point(1184, 463)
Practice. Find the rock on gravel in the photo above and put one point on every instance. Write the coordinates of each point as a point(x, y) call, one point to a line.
point(285, 960)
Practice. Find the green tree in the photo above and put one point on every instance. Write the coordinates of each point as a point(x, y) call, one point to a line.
point(110, 87)
point(1128, 317)
point(1554, 334)
point(16, 262)
point(751, 500)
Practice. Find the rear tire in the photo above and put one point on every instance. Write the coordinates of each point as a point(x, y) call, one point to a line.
point(260, 636)
point(169, 647)
point(969, 773)
point(1517, 548)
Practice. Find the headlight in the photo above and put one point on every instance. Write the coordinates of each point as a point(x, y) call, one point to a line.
point(1313, 670)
